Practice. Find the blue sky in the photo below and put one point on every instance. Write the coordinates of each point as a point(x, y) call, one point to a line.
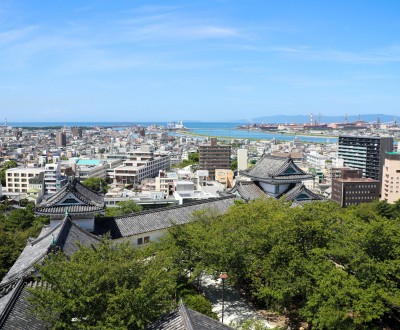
point(197, 60)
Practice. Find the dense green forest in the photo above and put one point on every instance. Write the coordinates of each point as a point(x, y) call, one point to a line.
point(332, 267)
point(335, 268)
point(16, 226)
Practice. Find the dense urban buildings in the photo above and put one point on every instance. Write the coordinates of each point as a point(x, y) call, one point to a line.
point(213, 156)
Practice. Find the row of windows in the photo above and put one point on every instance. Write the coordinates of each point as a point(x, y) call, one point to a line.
point(30, 175)
point(360, 197)
point(143, 240)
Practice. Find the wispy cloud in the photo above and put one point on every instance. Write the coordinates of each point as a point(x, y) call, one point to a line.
point(374, 56)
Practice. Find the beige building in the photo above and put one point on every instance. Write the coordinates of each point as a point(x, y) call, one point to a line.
point(142, 163)
point(17, 179)
point(224, 177)
point(391, 178)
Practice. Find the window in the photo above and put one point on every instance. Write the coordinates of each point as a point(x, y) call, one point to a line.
point(146, 239)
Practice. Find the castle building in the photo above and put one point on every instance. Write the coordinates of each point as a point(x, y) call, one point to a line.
point(275, 177)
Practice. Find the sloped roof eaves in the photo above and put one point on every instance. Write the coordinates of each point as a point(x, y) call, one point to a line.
point(81, 192)
point(284, 178)
point(250, 191)
point(68, 238)
point(72, 209)
point(165, 218)
point(32, 253)
point(271, 167)
point(18, 315)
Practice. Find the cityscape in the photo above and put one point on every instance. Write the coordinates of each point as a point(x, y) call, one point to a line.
point(207, 165)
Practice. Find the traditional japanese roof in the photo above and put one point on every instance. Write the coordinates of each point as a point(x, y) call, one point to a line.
point(247, 190)
point(15, 310)
point(276, 170)
point(74, 196)
point(184, 318)
point(158, 219)
point(300, 193)
point(66, 236)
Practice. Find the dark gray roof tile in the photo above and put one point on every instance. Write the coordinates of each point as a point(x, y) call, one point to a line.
point(16, 314)
point(66, 236)
point(158, 219)
point(273, 168)
point(184, 318)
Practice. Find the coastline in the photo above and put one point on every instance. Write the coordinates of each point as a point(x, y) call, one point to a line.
point(191, 133)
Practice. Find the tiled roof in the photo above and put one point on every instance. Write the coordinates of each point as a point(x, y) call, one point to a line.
point(270, 168)
point(16, 312)
point(294, 193)
point(72, 209)
point(184, 318)
point(248, 190)
point(158, 219)
point(92, 201)
point(65, 236)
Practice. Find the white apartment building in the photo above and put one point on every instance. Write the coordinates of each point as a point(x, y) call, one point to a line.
point(142, 163)
point(165, 182)
point(315, 159)
point(17, 179)
point(52, 177)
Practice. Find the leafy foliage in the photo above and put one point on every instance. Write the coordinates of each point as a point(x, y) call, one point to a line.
point(105, 287)
point(336, 268)
point(8, 164)
point(96, 184)
point(124, 207)
point(193, 160)
point(16, 226)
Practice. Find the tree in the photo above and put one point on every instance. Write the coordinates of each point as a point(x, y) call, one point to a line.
point(7, 165)
point(105, 287)
point(124, 207)
point(234, 164)
point(334, 268)
point(96, 184)
point(16, 227)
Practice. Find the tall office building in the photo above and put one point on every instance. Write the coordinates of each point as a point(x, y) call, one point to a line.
point(366, 153)
point(61, 139)
point(77, 131)
point(213, 156)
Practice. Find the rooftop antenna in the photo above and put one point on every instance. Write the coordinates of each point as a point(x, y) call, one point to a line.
point(395, 121)
point(345, 118)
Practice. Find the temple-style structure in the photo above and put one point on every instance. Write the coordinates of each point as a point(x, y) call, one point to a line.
point(78, 201)
point(275, 177)
point(72, 224)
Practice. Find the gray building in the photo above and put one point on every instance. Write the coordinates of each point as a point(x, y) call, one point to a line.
point(366, 153)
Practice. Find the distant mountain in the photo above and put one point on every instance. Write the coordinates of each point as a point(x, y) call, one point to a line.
point(301, 119)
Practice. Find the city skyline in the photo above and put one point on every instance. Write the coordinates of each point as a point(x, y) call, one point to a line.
point(216, 60)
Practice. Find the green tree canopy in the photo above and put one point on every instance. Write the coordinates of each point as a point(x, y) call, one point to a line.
point(8, 164)
point(96, 184)
point(124, 207)
point(335, 268)
point(105, 287)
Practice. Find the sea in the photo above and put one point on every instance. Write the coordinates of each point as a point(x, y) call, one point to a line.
point(215, 129)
